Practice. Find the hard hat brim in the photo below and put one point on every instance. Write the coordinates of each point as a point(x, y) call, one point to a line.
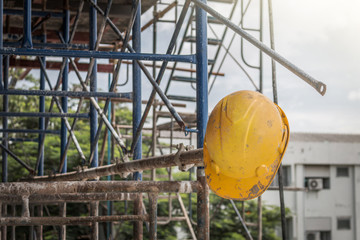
point(238, 188)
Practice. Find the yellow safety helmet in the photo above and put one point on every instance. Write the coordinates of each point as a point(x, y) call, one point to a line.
point(245, 140)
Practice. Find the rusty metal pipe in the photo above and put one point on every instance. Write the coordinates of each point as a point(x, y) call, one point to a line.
point(48, 221)
point(69, 197)
point(185, 158)
point(26, 188)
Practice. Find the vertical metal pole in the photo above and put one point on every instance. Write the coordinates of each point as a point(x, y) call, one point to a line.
point(203, 218)
point(109, 203)
point(5, 136)
point(153, 149)
point(203, 224)
point(154, 130)
point(64, 105)
point(13, 228)
point(42, 119)
point(154, 39)
point(93, 112)
point(64, 87)
point(275, 96)
point(5, 120)
point(94, 208)
point(27, 41)
point(1, 229)
point(259, 218)
point(62, 212)
point(1, 40)
point(93, 84)
point(137, 87)
point(138, 226)
point(153, 216)
point(272, 45)
point(282, 203)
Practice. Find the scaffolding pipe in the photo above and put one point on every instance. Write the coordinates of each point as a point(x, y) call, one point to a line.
point(26, 40)
point(69, 197)
point(40, 169)
point(49, 221)
point(44, 188)
point(97, 54)
point(180, 158)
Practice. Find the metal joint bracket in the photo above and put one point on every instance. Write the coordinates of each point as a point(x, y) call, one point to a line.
point(189, 130)
point(181, 148)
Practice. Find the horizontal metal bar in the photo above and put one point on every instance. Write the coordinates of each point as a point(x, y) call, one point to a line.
point(70, 197)
point(289, 189)
point(49, 45)
point(29, 131)
point(317, 85)
point(8, 11)
point(48, 221)
point(46, 188)
point(183, 158)
point(97, 54)
point(20, 139)
point(45, 114)
point(65, 93)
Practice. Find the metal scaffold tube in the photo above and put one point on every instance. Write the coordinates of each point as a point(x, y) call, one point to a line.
point(177, 159)
point(44, 188)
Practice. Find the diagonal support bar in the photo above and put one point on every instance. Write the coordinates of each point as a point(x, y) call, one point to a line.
point(27, 167)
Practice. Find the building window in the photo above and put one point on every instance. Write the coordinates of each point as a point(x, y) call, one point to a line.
point(286, 177)
point(342, 172)
point(343, 223)
point(325, 235)
point(318, 235)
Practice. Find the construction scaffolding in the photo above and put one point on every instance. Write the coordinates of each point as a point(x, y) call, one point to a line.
point(86, 38)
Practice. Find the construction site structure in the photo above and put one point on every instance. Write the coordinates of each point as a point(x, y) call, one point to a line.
point(86, 38)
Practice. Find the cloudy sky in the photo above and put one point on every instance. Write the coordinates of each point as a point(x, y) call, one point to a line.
point(322, 38)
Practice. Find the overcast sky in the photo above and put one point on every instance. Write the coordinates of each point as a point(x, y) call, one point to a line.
point(321, 37)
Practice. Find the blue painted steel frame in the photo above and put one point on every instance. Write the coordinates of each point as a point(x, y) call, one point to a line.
point(202, 117)
point(26, 40)
point(64, 87)
point(93, 85)
point(42, 119)
point(5, 121)
point(97, 54)
point(109, 203)
point(137, 88)
point(1, 41)
point(138, 226)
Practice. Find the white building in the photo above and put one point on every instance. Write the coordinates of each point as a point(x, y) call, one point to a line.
point(328, 165)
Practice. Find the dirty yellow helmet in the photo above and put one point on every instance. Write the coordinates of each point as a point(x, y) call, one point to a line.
point(245, 140)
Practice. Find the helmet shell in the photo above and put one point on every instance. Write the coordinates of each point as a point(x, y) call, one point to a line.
point(245, 140)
